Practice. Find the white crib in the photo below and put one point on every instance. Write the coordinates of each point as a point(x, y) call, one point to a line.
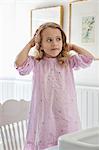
point(13, 124)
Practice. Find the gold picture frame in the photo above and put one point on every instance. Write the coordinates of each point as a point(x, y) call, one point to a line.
point(47, 14)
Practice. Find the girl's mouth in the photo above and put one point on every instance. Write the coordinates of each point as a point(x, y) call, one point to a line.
point(53, 49)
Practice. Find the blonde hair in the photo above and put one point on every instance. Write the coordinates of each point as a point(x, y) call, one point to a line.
point(63, 55)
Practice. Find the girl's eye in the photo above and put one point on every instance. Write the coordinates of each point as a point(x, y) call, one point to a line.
point(49, 40)
point(58, 39)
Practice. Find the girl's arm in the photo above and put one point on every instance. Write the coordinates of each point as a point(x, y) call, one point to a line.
point(81, 50)
point(23, 55)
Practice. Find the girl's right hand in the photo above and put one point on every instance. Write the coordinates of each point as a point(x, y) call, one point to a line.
point(32, 42)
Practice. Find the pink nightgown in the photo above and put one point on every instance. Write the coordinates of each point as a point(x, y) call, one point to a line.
point(53, 109)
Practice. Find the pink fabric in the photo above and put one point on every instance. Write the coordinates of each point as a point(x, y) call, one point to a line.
point(54, 105)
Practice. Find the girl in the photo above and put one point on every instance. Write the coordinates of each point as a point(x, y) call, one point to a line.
point(53, 109)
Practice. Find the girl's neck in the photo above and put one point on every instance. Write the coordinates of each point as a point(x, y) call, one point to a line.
point(48, 56)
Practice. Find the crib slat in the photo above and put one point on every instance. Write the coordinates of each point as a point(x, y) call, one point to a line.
point(11, 136)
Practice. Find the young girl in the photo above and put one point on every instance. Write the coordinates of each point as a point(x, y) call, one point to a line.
point(53, 109)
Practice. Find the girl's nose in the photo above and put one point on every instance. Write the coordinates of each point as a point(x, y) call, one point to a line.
point(54, 42)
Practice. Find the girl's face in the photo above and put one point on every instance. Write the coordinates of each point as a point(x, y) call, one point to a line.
point(51, 41)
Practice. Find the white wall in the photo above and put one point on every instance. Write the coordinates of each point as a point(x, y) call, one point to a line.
point(7, 37)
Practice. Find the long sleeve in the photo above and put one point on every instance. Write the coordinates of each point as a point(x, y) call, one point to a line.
point(81, 58)
point(27, 66)
point(80, 61)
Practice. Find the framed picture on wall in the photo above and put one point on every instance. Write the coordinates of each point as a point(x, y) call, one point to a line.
point(48, 14)
point(88, 29)
point(84, 23)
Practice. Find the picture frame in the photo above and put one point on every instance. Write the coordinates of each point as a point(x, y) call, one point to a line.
point(88, 25)
point(83, 18)
point(43, 15)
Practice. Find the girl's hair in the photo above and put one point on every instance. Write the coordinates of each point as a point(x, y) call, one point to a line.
point(63, 55)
